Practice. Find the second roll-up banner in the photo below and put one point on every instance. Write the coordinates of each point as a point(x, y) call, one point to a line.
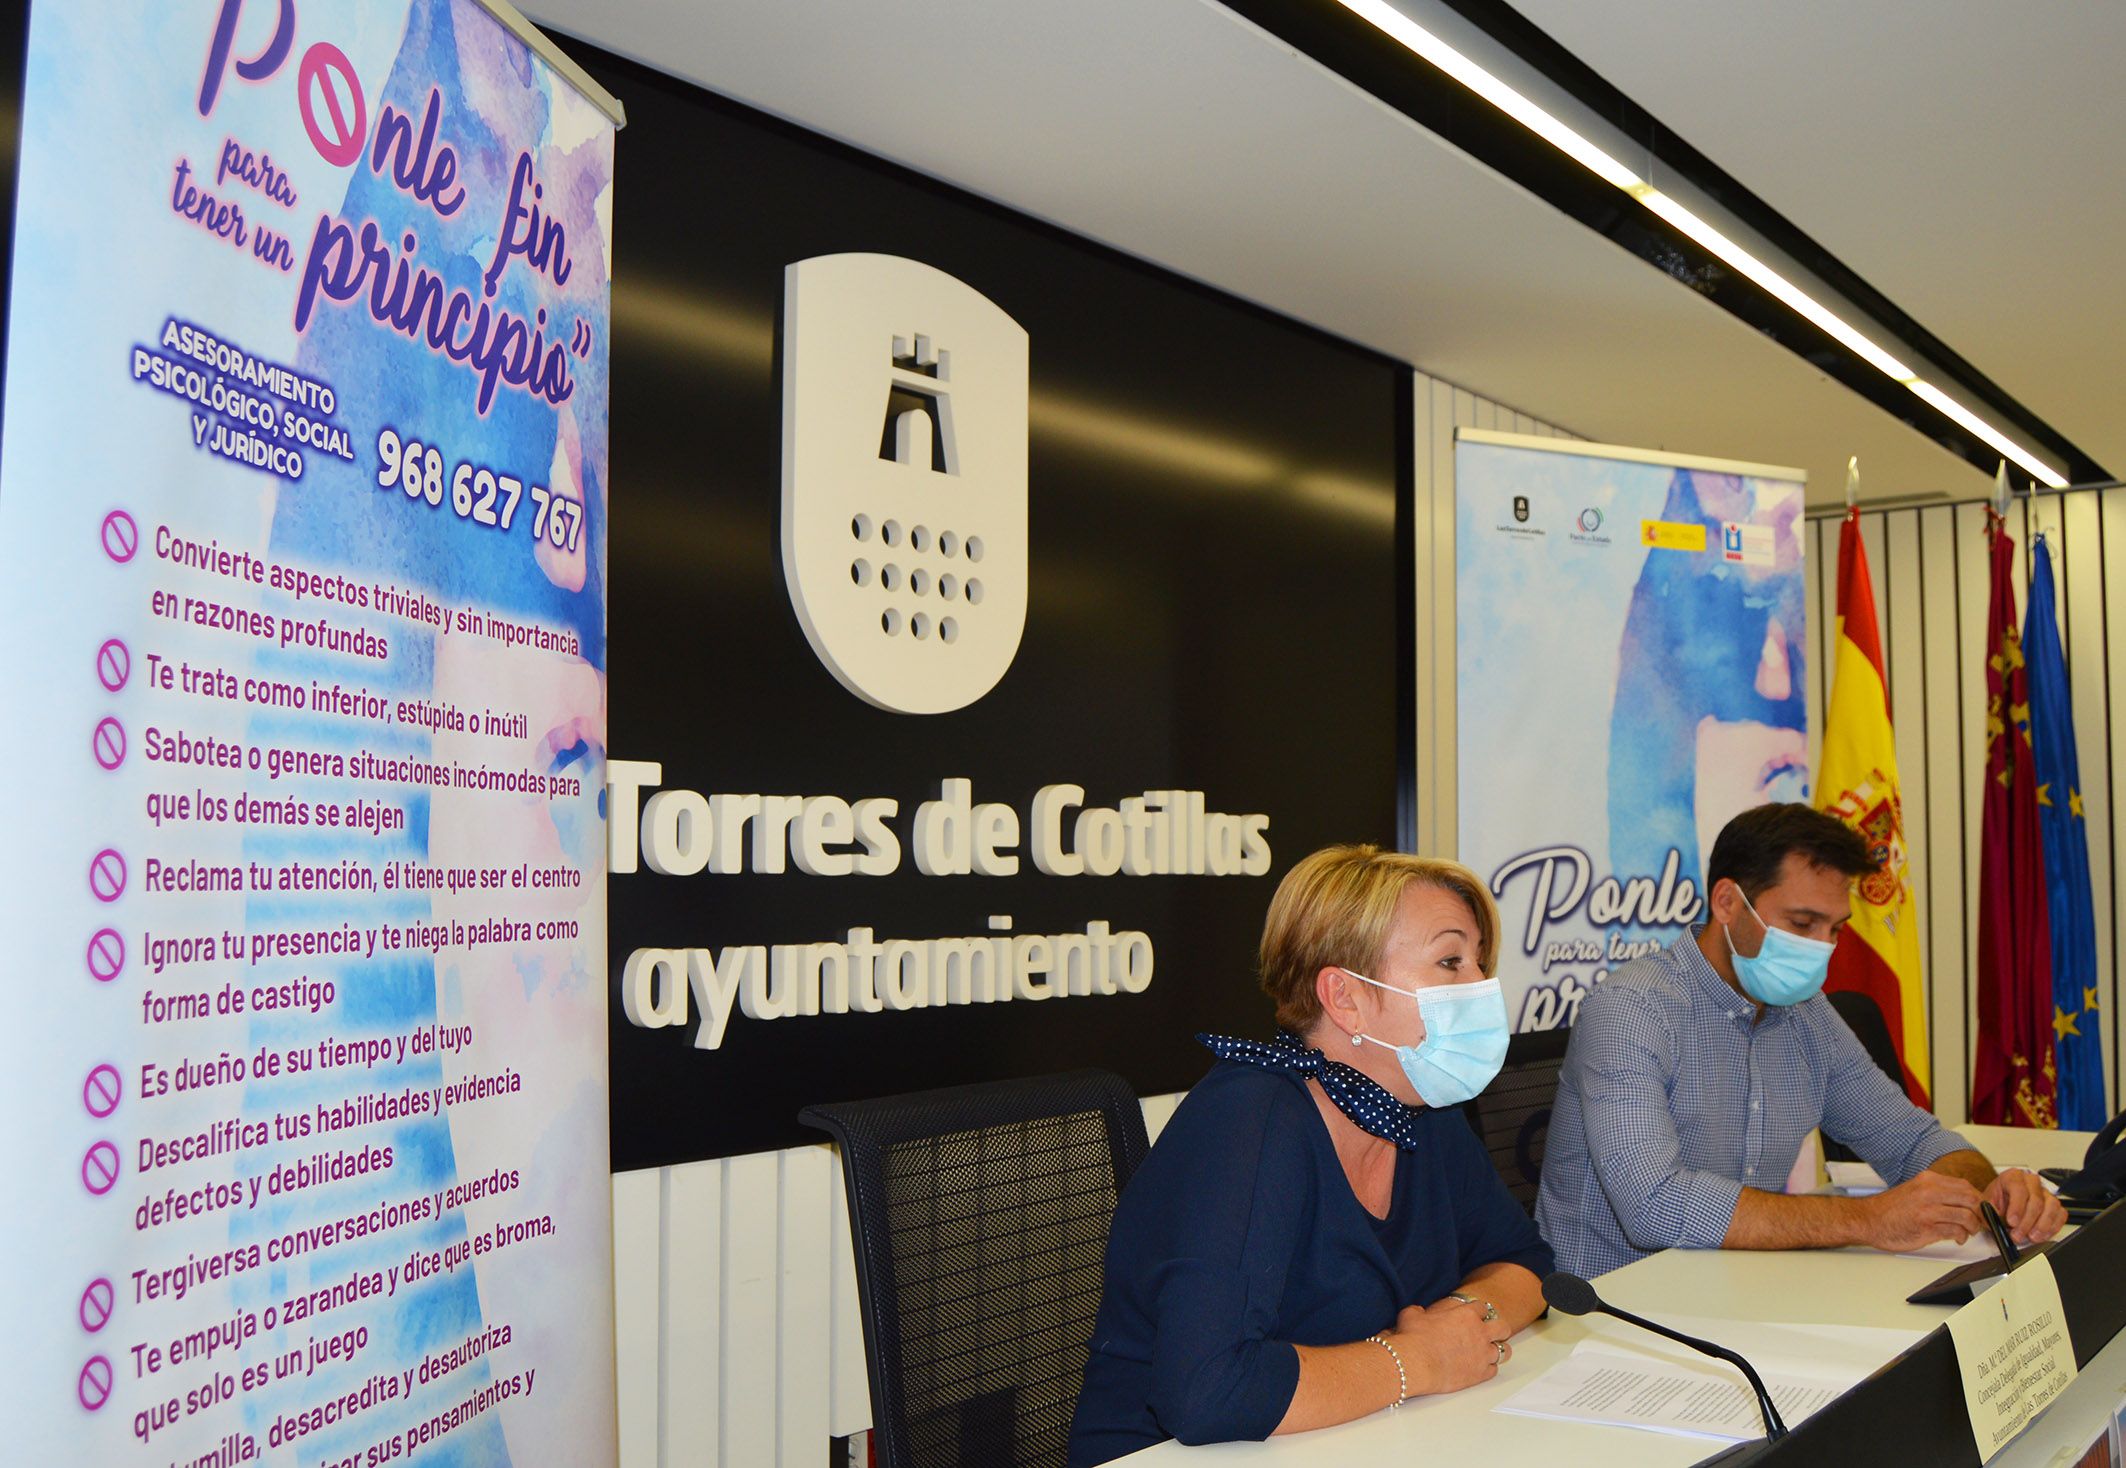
point(304, 490)
point(1672, 697)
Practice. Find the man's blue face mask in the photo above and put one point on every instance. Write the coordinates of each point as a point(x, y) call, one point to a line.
point(1787, 969)
point(1464, 1044)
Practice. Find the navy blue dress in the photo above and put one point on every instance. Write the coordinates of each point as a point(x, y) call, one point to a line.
point(1240, 1237)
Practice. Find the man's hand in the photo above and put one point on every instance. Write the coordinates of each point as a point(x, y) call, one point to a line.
point(2028, 1207)
point(1931, 1207)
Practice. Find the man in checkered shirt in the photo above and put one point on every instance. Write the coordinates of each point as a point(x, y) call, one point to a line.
point(1695, 1074)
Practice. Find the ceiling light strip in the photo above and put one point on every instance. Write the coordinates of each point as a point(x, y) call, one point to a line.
point(1413, 37)
point(1416, 38)
point(1771, 280)
point(1942, 402)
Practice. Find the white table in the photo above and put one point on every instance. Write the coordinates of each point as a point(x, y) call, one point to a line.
point(2026, 1146)
point(1831, 1287)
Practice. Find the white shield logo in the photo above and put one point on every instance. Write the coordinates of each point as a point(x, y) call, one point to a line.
point(903, 478)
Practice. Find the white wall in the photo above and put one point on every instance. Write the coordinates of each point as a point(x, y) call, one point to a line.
point(1929, 567)
point(735, 1304)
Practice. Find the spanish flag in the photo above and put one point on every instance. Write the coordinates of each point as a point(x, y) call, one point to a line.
point(1878, 953)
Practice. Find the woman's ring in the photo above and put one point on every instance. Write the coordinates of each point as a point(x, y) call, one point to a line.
point(1491, 1312)
point(1502, 1352)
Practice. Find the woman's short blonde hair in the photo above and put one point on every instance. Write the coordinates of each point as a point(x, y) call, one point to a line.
point(1333, 910)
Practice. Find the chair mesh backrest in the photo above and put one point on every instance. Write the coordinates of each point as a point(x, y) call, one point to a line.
point(980, 1216)
point(1863, 1016)
point(1515, 1110)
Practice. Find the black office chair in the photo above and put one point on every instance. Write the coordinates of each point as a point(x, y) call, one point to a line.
point(1863, 1016)
point(980, 1216)
point(1513, 1114)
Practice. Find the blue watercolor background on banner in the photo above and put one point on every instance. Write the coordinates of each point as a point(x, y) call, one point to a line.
point(101, 262)
point(1616, 703)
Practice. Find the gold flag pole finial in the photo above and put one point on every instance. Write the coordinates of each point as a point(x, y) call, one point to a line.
point(1852, 482)
point(2000, 490)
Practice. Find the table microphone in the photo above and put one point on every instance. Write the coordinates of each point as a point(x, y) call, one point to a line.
point(1575, 1296)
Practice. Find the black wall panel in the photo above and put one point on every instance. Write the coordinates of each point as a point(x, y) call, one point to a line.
point(1218, 499)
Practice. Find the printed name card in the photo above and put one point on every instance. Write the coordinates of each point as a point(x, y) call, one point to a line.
point(2013, 1353)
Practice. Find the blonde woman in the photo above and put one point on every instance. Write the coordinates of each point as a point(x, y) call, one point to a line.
point(1314, 1237)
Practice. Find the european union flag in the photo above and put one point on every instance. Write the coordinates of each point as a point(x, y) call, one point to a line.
point(2076, 1021)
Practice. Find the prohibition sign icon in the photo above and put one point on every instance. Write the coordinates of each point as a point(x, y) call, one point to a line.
point(98, 1302)
point(95, 1385)
point(101, 1092)
point(108, 743)
point(326, 81)
point(114, 664)
point(121, 537)
point(99, 1168)
point(106, 955)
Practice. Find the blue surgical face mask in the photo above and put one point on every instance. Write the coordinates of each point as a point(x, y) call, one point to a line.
point(1787, 969)
point(1464, 1044)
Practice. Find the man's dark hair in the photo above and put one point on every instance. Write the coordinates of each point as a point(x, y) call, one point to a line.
point(1752, 847)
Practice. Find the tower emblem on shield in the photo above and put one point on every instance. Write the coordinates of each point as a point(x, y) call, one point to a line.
point(904, 478)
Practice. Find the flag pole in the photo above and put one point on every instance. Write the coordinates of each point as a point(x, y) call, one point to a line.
point(1852, 486)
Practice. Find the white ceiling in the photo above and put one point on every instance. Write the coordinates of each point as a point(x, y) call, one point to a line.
point(1965, 158)
point(1177, 132)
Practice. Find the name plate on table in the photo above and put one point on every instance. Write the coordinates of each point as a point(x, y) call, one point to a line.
point(2013, 1353)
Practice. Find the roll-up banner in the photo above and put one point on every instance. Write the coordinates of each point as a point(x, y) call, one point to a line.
point(1630, 630)
point(303, 498)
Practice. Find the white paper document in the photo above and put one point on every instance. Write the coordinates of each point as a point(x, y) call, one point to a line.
point(1596, 1384)
point(1658, 1386)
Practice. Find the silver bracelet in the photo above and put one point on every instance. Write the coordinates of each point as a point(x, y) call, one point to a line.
point(1402, 1379)
point(1491, 1311)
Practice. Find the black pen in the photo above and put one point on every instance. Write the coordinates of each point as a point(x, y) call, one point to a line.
point(2010, 1255)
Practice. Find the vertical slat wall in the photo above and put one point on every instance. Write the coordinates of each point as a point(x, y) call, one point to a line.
point(1440, 409)
point(739, 1345)
point(739, 1341)
point(1930, 571)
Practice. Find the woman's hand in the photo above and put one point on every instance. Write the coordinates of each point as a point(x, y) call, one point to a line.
point(1442, 1349)
point(1449, 1346)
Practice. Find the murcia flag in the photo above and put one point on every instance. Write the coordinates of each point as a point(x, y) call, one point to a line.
point(2077, 1021)
point(1878, 953)
point(2014, 1084)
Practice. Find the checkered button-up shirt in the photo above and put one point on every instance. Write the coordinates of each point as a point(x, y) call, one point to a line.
point(1672, 1100)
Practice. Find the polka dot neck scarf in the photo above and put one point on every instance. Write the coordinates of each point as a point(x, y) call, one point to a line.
point(1370, 1105)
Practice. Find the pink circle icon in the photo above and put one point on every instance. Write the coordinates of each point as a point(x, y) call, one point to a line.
point(121, 537)
point(107, 875)
point(102, 1091)
point(106, 955)
point(114, 664)
point(94, 1388)
point(326, 80)
point(108, 743)
point(99, 1168)
point(98, 1302)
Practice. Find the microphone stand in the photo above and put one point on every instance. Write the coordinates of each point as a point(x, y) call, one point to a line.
point(1774, 1428)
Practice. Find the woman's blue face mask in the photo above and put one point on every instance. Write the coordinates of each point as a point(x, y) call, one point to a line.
point(1464, 1044)
point(1786, 969)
